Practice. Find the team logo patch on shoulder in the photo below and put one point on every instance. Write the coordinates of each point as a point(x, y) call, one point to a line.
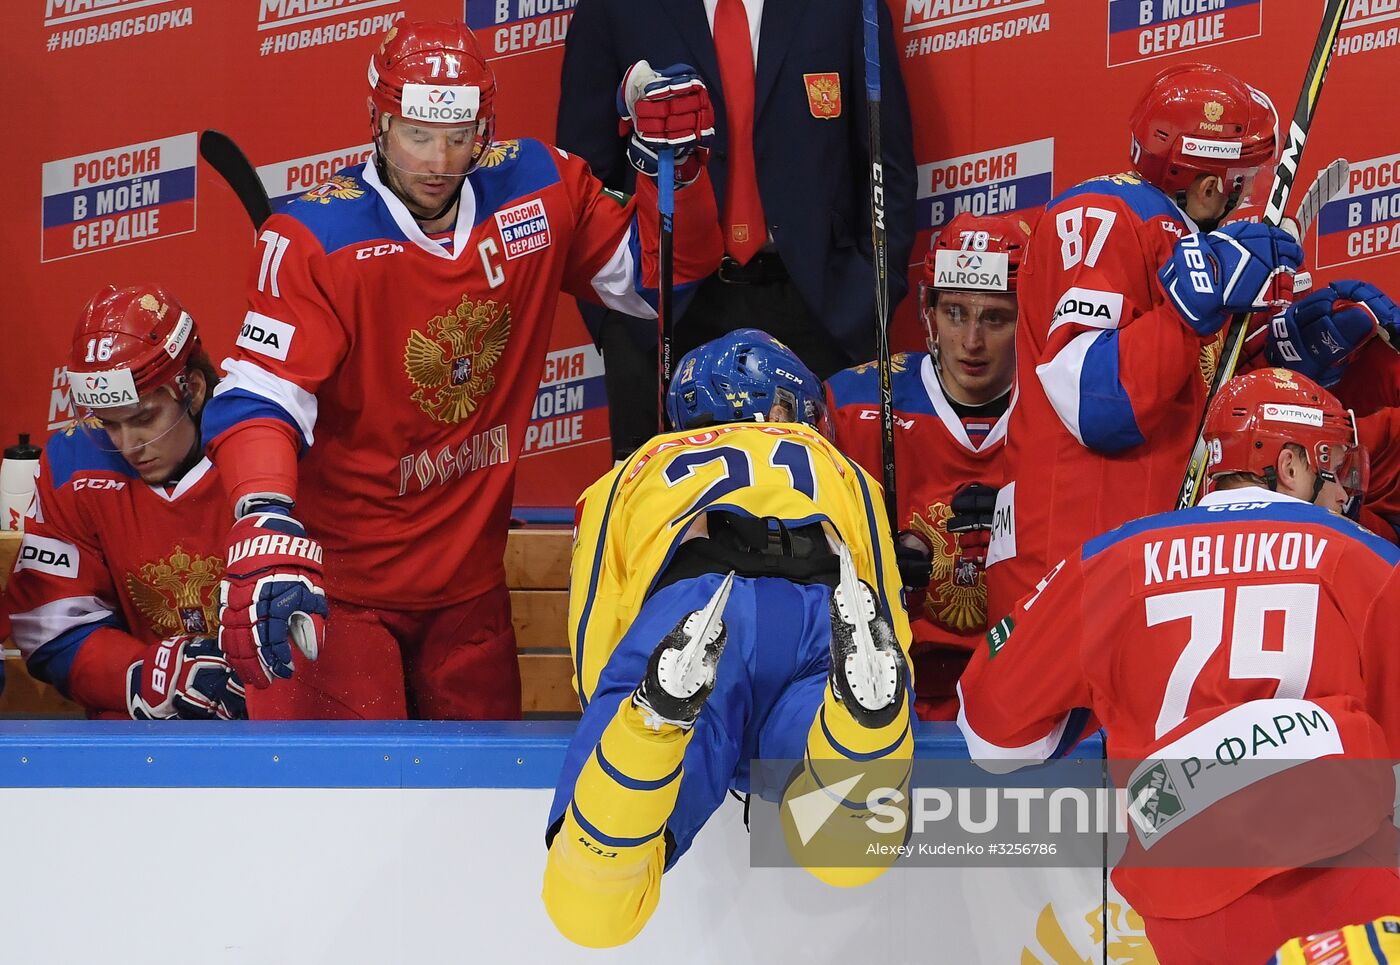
point(450, 364)
point(179, 594)
point(823, 95)
point(340, 187)
point(524, 228)
point(500, 152)
point(998, 635)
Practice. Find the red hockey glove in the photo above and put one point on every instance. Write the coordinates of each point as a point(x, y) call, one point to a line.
point(272, 595)
point(666, 108)
point(186, 678)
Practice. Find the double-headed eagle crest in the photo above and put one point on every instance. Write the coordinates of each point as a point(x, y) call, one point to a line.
point(957, 594)
point(340, 187)
point(179, 594)
point(451, 364)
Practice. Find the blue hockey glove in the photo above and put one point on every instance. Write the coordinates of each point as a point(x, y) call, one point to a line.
point(1242, 267)
point(1320, 335)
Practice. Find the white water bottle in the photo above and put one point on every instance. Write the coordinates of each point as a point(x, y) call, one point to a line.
point(17, 474)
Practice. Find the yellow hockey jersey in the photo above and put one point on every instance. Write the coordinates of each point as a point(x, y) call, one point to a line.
point(1373, 943)
point(630, 522)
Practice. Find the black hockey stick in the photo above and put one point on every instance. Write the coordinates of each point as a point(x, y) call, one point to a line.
point(225, 157)
point(1273, 214)
point(881, 254)
point(666, 208)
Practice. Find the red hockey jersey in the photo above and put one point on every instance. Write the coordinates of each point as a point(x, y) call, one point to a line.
point(1112, 382)
point(408, 366)
point(109, 566)
point(935, 455)
point(1255, 626)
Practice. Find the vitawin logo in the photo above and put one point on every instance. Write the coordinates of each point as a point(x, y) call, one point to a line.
point(178, 594)
point(451, 363)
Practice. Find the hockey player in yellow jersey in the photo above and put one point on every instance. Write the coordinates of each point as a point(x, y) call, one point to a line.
point(1373, 943)
point(744, 535)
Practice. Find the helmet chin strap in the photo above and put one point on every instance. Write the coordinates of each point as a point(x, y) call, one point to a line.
point(1210, 224)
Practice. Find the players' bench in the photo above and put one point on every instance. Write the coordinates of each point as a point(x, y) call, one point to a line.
point(537, 571)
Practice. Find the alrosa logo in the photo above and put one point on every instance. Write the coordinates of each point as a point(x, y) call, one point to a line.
point(442, 97)
point(969, 279)
point(96, 382)
point(966, 260)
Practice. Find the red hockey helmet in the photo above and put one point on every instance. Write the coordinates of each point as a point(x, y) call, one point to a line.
point(1196, 119)
point(433, 72)
point(128, 342)
point(976, 254)
point(1256, 414)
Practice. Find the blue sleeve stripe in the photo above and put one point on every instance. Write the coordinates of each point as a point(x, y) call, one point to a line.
point(1074, 726)
point(608, 839)
point(227, 409)
point(625, 780)
point(1375, 942)
point(1107, 422)
point(597, 568)
point(53, 661)
point(680, 292)
point(872, 522)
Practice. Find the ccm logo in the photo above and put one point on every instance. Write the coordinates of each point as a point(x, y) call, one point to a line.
point(788, 375)
point(110, 485)
point(377, 250)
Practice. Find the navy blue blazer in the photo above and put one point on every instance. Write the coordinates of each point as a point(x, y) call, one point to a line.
point(813, 173)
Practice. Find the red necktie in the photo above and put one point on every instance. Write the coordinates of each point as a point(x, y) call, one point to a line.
point(745, 229)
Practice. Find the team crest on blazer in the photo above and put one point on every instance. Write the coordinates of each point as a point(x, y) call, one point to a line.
point(823, 94)
point(451, 364)
point(179, 594)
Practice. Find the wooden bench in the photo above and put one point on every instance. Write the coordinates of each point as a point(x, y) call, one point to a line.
point(537, 571)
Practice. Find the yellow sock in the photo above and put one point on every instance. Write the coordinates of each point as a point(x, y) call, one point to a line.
point(849, 760)
point(603, 874)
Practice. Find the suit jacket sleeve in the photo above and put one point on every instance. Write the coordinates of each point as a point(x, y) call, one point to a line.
point(587, 124)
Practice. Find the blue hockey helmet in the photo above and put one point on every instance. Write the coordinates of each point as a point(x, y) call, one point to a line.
point(746, 375)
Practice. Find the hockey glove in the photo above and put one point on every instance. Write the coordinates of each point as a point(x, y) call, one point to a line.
point(1322, 333)
point(974, 507)
point(914, 558)
point(667, 108)
point(186, 678)
point(1242, 267)
point(272, 595)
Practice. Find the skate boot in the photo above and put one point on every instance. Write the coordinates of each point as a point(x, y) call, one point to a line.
point(681, 673)
point(868, 671)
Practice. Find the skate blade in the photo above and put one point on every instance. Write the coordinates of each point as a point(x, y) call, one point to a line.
point(853, 595)
point(707, 624)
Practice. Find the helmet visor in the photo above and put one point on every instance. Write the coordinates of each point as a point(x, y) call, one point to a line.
point(128, 429)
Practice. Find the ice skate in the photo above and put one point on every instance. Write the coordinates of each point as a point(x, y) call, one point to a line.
point(681, 673)
point(868, 670)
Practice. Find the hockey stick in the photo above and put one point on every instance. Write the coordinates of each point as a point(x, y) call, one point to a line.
point(1273, 214)
point(225, 157)
point(1329, 181)
point(666, 208)
point(881, 253)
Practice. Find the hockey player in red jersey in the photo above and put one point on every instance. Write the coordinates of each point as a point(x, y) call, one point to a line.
point(1262, 612)
point(397, 325)
point(114, 595)
point(1123, 294)
point(951, 408)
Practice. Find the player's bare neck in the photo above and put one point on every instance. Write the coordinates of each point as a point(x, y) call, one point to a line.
point(442, 222)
